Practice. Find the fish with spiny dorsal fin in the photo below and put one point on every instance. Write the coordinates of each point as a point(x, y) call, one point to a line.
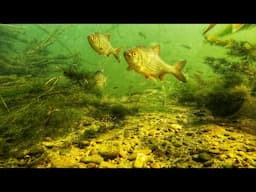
point(101, 44)
point(147, 61)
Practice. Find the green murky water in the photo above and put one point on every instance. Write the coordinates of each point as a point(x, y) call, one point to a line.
point(62, 104)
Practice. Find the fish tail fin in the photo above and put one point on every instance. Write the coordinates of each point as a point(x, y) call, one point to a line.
point(116, 54)
point(176, 70)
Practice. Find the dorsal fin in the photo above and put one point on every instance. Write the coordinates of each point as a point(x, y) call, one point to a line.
point(108, 37)
point(156, 49)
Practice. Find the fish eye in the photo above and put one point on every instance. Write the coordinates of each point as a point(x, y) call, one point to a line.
point(134, 53)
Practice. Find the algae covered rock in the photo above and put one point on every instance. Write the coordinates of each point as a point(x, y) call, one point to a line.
point(225, 102)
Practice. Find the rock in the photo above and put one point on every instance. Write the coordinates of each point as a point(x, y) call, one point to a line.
point(250, 149)
point(22, 162)
point(132, 156)
point(82, 144)
point(87, 124)
point(91, 165)
point(140, 160)
point(48, 139)
point(202, 157)
point(228, 163)
point(232, 138)
point(123, 154)
point(208, 163)
point(177, 143)
point(189, 133)
point(154, 165)
point(222, 157)
point(109, 151)
point(176, 126)
point(253, 163)
point(105, 164)
point(97, 159)
point(36, 150)
point(47, 144)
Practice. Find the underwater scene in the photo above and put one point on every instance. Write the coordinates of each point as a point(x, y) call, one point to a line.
point(127, 96)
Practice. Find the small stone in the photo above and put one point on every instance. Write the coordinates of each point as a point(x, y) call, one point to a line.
point(250, 149)
point(99, 141)
point(228, 163)
point(189, 133)
point(176, 126)
point(36, 150)
point(47, 144)
point(253, 163)
point(154, 165)
point(91, 165)
point(208, 163)
point(202, 157)
point(83, 144)
point(97, 159)
point(22, 162)
point(177, 144)
point(152, 133)
point(140, 160)
point(109, 152)
point(132, 156)
point(232, 138)
point(87, 124)
point(222, 157)
point(123, 154)
point(105, 164)
point(48, 139)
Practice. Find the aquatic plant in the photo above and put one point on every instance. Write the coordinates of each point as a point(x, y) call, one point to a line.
point(33, 57)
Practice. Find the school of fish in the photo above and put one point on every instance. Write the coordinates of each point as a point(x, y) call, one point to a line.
point(143, 60)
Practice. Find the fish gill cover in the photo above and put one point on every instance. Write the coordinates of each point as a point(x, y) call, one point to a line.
point(127, 95)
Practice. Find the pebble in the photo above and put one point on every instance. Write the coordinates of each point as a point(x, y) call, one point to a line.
point(222, 157)
point(132, 156)
point(83, 144)
point(228, 163)
point(97, 159)
point(140, 160)
point(176, 126)
point(47, 144)
point(189, 133)
point(253, 163)
point(105, 164)
point(109, 152)
point(154, 165)
point(202, 157)
point(91, 165)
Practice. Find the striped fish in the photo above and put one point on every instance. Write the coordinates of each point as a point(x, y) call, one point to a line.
point(101, 44)
point(146, 61)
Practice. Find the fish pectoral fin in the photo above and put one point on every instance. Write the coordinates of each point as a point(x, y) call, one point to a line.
point(108, 36)
point(116, 54)
point(161, 76)
point(150, 77)
point(129, 68)
point(156, 49)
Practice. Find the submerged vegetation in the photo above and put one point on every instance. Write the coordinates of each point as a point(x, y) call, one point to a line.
point(33, 105)
point(232, 85)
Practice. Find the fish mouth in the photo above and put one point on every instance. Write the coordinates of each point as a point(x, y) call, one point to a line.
point(126, 54)
point(89, 37)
